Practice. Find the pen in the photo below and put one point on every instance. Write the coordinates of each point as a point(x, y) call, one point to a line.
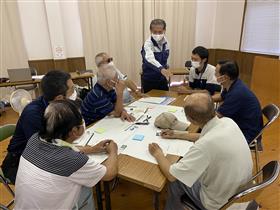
point(89, 139)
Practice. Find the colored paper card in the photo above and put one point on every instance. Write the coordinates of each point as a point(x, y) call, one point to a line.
point(99, 130)
point(138, 137)
point(172, 110)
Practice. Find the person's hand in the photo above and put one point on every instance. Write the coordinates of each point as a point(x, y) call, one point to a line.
point(168, 134)
point(101, 146)
point(166, 73)
point(112, 148)
point(155, 150)
point(183, 90)
point(127, 117)
point(120, 86)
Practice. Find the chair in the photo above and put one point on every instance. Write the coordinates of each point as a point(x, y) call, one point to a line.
point(271, 113)
point(5, 132)
point(249, 191)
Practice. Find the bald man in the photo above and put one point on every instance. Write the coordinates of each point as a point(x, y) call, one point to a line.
point(216, 165)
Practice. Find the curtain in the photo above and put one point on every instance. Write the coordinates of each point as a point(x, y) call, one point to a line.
point(13, 52)
point(12, 49)
point(121, 27)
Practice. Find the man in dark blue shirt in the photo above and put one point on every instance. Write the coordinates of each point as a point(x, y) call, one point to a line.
point(55, 85)
point(238, 102)
point(105, 98)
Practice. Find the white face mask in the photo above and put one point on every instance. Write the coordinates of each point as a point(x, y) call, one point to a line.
point(73, 97)
point(195, 64)
point(157, 37)
point(110, 64)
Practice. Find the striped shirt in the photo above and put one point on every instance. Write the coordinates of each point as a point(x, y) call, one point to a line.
point(51, 176)
point(98, 103)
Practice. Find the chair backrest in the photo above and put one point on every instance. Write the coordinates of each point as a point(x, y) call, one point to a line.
point(7, 131)
point(271, 113)
point(249, 191)
point(33, 71)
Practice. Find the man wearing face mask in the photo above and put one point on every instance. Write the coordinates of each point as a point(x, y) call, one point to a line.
point(55, 85)
point(155, 53)
point(202, 75)
point(102, 59)
point(238, 101)
point(53, 173)
point(106, 97)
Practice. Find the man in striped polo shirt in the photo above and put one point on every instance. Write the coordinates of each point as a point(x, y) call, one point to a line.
point(52, 172)
point(105, 98)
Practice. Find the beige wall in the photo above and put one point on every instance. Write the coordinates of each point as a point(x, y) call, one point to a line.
point(218, 23)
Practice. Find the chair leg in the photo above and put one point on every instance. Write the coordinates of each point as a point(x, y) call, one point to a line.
point(257, 160)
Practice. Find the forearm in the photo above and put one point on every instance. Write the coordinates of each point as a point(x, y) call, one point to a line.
point(87, 149)
point(217, 97)
point(164, 166)
point(184, 135)
point(131, 85)
point(119, 105)
point(112, 167)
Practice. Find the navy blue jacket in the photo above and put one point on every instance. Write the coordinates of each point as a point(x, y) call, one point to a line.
point(154, 58)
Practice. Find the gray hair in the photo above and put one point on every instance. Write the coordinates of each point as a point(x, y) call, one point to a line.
point(59, 118)
point(200, 107)
point(158, 22)
point(99, 58)
point(106, 72)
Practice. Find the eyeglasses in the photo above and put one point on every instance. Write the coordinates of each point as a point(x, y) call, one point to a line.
point(105, 62)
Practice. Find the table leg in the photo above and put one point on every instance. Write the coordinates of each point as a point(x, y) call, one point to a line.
point(99, 196)
point(156, 200)
point(107, 195)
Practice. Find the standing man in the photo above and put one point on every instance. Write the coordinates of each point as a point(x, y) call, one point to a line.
point(155, 53)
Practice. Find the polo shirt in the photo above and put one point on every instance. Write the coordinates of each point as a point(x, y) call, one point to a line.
point(154, 58)
point(50, 176)
point(220, 160)
point(29, 122)
point(98, 103)
point(127, 97)
point(204, 80)
point(241, 105)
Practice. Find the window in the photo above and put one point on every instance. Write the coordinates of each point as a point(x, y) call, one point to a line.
point(261, 31)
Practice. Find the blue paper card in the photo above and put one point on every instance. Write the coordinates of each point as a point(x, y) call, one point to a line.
point(138, 137)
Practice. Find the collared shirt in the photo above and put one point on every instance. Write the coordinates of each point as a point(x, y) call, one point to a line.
point(220, 160)
point(205, 79)
point(241, 105)
point(154, 58)
point(98, 103)
point(29, 122)
point(50, 176)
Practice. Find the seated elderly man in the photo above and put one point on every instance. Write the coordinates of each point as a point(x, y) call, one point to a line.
point(102, 59)
point(216, 165)
point(105, 98)
point(52, 172)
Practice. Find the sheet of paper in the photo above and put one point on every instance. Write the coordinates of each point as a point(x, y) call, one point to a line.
point(153, 100)
point(123, 132)
point(38, 76)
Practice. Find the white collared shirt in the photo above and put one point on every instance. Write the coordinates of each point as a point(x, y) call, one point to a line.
point(220, 160)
